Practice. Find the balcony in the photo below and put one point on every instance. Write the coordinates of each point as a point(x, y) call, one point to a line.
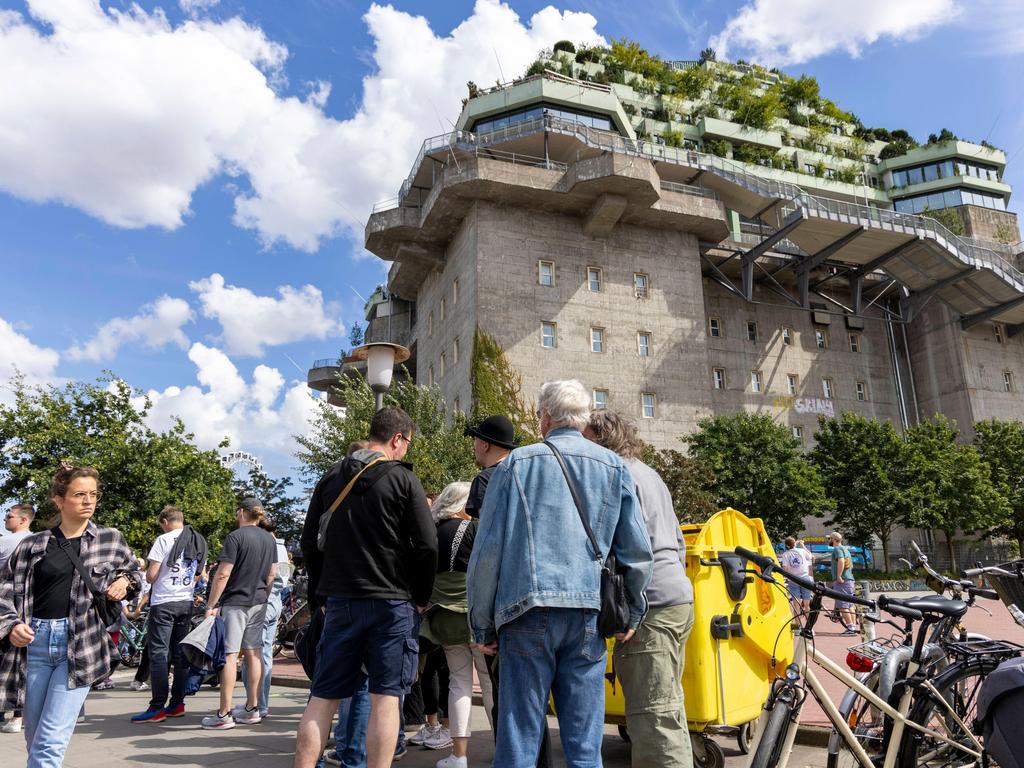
point(323, 376)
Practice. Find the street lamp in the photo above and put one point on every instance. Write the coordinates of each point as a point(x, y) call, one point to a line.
point(381, 358)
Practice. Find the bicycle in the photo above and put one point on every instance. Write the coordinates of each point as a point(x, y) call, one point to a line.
point(132, 640)
point(916, 700)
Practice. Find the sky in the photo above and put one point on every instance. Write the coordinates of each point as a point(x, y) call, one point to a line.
point(184, 185)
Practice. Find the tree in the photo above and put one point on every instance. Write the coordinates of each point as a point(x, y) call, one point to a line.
point(708, 54)
point(103, 425)
point(285, 511)
point(1001, 447)
point(863, 465)
point(802, 91)
point(355, 335)
point(954, 483)
point(759, 470)
point(498, 388)
point(688, 480)
point(439, 452)
point(564, 45)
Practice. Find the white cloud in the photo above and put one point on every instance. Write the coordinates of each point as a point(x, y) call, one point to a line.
point(260, 416)
point(156, 325)
point(199, 98)
point(780, 32)
point(195, 7)
point(19, 355)
point(250, 322)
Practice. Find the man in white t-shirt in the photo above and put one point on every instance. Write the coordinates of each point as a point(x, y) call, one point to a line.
point(176, 560)
point(795, 560)
point(17, 521)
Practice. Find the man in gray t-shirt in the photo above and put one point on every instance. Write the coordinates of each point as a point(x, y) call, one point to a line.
point(17, 522)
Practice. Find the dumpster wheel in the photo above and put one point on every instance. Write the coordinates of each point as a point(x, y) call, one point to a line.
point(745, 736)
point(706, 752)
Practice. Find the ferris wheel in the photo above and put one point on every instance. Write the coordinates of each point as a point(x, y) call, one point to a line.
point(240, 462)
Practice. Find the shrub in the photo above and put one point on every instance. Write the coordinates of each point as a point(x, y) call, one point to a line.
point(564, 45)
point(537, 68)
point(672, 138)
point(718, 147)
point(947, 217)
point(894, 149)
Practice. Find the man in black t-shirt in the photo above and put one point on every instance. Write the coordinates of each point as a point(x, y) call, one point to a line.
point(493, 440)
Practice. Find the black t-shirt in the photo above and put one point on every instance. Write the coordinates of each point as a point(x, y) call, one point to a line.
point(447, 530)
point(51, 581)
point(253, 551)
point(477, 490)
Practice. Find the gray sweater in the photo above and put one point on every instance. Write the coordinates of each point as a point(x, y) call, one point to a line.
point(669, 583)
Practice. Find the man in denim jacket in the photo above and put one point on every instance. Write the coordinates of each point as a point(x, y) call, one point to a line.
point(534, 585)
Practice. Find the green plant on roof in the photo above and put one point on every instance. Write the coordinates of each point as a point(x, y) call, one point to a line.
point(672, 138)
point(708, 54)
point(564, 45)
point(847, 174)
point(819, 168)
point(718, 147)
point(943, 136)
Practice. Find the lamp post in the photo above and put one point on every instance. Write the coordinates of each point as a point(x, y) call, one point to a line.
point(380, 357)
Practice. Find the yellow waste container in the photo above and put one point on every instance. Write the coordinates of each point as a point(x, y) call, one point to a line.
point(740, 623)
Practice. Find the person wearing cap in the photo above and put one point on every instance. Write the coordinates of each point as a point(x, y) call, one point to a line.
point(239, 593)
point(493, 440)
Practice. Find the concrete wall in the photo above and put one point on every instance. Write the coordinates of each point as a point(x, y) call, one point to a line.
point(989, 224)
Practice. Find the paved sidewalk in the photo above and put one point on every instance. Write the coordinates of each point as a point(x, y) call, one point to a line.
point(107, 739)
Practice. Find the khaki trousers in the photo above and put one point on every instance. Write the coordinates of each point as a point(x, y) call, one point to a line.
point(650, 669)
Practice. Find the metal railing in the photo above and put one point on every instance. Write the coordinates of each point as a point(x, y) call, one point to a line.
point(689, 189)
point(327, 362)
point(738, 174)
point(547, 74)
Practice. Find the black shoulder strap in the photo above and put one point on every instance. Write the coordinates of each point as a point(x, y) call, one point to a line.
point(65, 547)
point(576, 500)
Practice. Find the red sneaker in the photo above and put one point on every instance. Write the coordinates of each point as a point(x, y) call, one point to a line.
point(178, 711)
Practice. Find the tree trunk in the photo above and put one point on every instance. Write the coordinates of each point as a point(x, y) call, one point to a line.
point(885, 555)
point(949, 549)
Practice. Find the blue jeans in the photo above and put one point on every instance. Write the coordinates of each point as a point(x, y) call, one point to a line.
point(51, 708)
point(269, 633)
point(168, 625)
point(556, 650)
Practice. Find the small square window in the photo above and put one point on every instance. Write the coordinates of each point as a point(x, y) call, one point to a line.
point(455, 351)
point(714, 327)
point(600, 399)
point(809, 168)
point(441, 311)
point(792, 383)
point(647, 403)
point(546, 273)
point(751, 330)
point(597, 339)
point(827, 389)
point(855, 342)
point(594, 279)
point(997, 332)
point(821, 338)
point(455, 291)
point(830, 173)
point(798, 433)
point(862, 391)
point(643, 344)
point(718, 377)
point(1008, 381)
point(787, 337)
point(548, 338)
point(641, 285)
point(440, 368)
point(755, 381)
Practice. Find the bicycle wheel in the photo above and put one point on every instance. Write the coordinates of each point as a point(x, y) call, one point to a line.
point(769, 745)
point(866, 722)
point(958, 686)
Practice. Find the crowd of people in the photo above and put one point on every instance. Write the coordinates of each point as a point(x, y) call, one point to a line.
point(496, 579)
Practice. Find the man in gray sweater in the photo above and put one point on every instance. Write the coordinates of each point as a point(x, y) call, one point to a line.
point(650, 665)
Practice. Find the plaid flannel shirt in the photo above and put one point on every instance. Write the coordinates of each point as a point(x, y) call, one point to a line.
point(106, 555)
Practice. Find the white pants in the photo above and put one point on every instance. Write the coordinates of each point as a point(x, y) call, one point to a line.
point(461, 660)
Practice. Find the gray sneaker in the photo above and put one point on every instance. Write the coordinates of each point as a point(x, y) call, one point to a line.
point(218, 722)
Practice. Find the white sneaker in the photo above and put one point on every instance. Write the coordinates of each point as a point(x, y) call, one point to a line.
point(420, 736)
point(245, 716)
point(438, 738)
point(139, 686)
point(218, 722)
point(11, 726)
point(452, 762)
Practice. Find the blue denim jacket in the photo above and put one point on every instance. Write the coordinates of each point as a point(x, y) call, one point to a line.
point(531, 549)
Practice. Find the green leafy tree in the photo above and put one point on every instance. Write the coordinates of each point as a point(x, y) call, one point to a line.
point(498, 388)
point(689, 481)
point(439, 452)
point(104, 425)
point(355, 335)
point(863, 464)
point(759, 470)
point(802, 91)
point(955, 485)
point(708, 54)
point(1001, 446)
point(283, 510)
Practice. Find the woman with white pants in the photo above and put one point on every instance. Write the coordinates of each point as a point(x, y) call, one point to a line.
point(445, 621)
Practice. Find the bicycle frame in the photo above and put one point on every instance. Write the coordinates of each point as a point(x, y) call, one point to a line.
point(805, 651)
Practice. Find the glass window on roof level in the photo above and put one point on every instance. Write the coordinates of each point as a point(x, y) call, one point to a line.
point(951, 198)
point(935, 201)
point(915, 175)
point(946, 169)
point(931, 172)
point(899, 178)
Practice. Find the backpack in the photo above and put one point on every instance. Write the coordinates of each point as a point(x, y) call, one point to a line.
point(1001, 712)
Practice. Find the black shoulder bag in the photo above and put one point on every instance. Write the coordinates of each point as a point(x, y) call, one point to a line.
point(613, 617)
point(109, 611)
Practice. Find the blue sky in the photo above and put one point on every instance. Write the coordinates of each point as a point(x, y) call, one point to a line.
point(183, 185)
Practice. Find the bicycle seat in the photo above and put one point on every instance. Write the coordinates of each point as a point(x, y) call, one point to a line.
point(936, 604)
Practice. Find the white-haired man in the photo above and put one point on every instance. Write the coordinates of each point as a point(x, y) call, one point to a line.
point(534, 583)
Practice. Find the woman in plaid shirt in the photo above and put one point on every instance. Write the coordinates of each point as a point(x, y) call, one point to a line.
point(53, 645)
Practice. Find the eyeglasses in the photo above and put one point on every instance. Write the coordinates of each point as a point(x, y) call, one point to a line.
point(407, 439)
point(81, 496)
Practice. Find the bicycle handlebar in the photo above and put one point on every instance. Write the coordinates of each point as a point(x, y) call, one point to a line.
point(994, 569)
point(953, 584)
